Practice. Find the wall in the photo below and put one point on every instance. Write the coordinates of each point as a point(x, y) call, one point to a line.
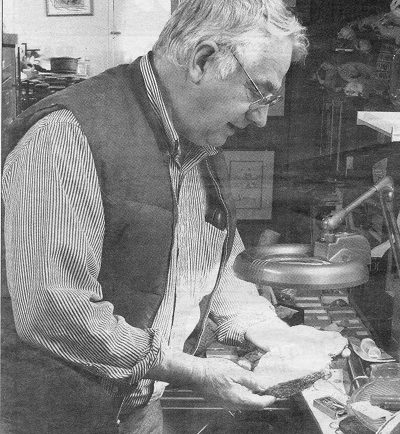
point(75, 36)
point(139, 23)
point(88, 36)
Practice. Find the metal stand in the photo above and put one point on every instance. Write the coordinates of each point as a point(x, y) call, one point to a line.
point(386, 198)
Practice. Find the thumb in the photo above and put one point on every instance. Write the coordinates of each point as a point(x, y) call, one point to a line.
point(256, 383)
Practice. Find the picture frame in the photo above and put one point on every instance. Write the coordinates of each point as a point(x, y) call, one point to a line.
point(251, 176)
point(57, 8)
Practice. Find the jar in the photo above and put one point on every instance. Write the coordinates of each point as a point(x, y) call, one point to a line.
point(83, 67)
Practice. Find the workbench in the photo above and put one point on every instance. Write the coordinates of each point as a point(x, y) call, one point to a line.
point(185, 412)
point(189, 413)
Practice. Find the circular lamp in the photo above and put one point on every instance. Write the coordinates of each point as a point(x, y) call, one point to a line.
point(294, 266)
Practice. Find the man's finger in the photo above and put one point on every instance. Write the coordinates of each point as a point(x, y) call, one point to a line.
point(253, 383)
point(259, 402)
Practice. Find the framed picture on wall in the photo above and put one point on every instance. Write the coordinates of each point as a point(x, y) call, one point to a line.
point(68, 7)
point(251, 176)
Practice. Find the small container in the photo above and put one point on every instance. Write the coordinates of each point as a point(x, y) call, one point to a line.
point(330, 406)
point(64, 64)
point(83, 67)
point(368, 346)
point(388, 402)
point(385, 370)
point(384, 62)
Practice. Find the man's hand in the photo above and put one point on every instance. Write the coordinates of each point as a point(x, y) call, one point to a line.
point(296, 340)
point(231, 386)
point(219, 380)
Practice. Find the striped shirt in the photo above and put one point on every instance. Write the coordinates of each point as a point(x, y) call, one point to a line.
point(54, 229)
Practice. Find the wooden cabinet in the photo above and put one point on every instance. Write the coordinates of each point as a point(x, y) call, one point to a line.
point(9, 84)
point(9, 78)
point(9, 111)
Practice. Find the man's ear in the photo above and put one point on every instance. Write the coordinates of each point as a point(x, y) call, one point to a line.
point(201, 60)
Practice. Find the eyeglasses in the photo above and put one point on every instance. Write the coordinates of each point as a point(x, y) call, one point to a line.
point(264, 100)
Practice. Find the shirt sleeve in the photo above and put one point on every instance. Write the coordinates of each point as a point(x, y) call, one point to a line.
point(236, 305)
point(54, 228)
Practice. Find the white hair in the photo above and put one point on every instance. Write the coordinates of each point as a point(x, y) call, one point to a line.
point(232, 25)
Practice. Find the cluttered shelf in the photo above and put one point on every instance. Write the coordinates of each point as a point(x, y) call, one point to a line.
point(348, 70)
point(358, 61)
point(40, 85)
point(352, 66)
point(40, 76)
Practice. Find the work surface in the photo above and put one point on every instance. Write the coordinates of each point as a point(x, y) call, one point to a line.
point(186, 412)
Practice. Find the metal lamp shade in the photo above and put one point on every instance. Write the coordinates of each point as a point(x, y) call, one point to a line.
point(293, 266)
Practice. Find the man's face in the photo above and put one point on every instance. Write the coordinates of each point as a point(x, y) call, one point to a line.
point(221, 106)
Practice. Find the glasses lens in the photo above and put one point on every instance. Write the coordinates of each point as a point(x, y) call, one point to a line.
point(276, 99)
point(269, 100)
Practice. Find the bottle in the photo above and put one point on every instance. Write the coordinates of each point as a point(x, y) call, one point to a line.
point(87, 63)
point(83, 67)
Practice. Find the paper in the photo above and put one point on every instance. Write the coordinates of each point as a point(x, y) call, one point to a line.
point(373, 412)
point(380, 250)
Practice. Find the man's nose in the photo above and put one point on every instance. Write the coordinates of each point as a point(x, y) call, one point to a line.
point(258, 117)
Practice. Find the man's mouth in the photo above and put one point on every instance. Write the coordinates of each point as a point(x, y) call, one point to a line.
point(232, 128)
point(236, 129)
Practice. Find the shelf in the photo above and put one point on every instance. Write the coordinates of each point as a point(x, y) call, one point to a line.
point(386, 123)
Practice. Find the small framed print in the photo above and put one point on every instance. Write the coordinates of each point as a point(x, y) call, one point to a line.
point(251, 177)
point(64, 8)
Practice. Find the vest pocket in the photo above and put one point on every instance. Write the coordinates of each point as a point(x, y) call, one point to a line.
point(216, 217)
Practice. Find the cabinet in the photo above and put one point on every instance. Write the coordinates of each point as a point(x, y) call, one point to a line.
point(9, 110)
point(9, 78)
point(9, 84)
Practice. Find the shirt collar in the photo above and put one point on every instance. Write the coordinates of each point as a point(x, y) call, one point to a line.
point(157, 102)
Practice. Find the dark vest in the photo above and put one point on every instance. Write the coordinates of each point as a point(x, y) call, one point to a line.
point(130, 151)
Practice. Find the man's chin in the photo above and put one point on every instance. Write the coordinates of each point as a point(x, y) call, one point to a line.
point(217, 140)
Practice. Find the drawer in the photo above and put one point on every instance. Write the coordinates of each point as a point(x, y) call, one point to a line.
point(7, 81)
point(9, 56)
point(8, 102)
point(6, 74)
point(8, 63)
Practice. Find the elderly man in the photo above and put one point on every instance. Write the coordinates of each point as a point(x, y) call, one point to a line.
point(120, 229)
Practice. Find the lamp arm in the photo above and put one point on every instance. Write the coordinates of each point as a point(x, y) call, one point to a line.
point(332, 222)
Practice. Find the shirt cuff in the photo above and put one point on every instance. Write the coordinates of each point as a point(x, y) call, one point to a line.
point(154, 353)
point(232, 332)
